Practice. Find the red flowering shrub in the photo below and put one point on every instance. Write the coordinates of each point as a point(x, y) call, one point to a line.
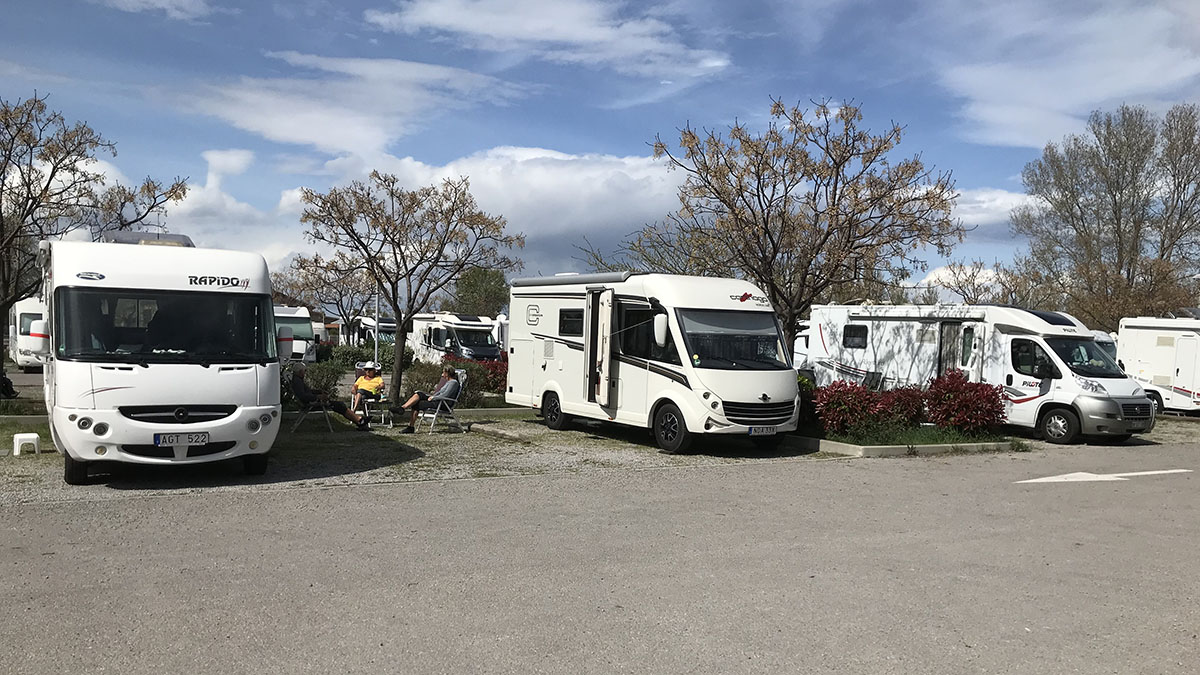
point(904, 405)
point(842, 405)
point(490, 376)
point(953, 401)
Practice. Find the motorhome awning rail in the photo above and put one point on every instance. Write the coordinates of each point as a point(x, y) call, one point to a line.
point(573, 279)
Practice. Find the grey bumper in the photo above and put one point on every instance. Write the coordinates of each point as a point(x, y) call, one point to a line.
point(1115, 416)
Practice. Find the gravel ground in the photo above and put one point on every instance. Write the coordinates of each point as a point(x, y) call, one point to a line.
point(499, 444)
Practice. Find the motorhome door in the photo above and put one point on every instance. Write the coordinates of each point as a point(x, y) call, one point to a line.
point(949, 347)
point(597, 347)
point(1184, 384)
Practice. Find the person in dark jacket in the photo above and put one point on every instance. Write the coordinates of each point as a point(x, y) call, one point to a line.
point(309, 397)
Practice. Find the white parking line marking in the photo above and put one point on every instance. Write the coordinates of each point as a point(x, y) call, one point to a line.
point(1085, 477)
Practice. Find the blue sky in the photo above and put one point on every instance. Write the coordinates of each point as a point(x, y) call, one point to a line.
point(549, 106)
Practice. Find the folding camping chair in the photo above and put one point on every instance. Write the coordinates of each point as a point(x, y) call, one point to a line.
point(445, 409)
point(374, 408)
point(306, 408)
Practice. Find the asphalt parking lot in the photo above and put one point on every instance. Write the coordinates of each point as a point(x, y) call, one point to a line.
point(718, 564)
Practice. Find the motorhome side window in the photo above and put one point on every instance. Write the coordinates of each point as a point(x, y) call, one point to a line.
point(854, 337)
point(570, 322)
point(1028, 357)
point(637, 336)
point(968, 343)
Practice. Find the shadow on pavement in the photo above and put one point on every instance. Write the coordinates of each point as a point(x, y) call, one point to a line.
point(708, 445)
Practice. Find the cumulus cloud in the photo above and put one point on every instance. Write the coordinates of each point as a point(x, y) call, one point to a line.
point(344, 105)
point(987, 210)
point(627, 38)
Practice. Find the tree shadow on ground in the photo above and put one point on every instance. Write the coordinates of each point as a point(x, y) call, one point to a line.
point(312, 452)
point(707, 445)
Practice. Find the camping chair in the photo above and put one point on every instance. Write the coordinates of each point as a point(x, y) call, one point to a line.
point(445, 409)
point(374, 408)
point(306, 408)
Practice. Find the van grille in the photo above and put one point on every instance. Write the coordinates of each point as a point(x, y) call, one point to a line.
point(168, 453)
point(1136, 410)
point(176, 414)
point(759, 414)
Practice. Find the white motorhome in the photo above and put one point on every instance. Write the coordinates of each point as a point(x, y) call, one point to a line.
point(1161, 354)
point(20, 319)
point(304, 338)
point(679, 355)
point(466, 336)
point(1056, 378)
point(362, 329)
point(1107, 342)
point(158, 355)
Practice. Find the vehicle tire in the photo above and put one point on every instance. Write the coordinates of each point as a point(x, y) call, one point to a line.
point(75, 472)
point(1157, 401)
point(768, 443)
point(254, 465)
point(1059, 426)
point(1120, 438)
point(670, 431)
point(552, 413)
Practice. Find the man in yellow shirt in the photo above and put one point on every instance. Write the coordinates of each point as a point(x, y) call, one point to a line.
point(368, 386)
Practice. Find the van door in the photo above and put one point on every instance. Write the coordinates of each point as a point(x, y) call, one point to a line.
point(598, 315)
point(1184, 383)
point(949, 347)
point(1024, 389)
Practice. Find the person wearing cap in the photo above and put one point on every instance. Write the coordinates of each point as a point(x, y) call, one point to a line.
point(368, 386)
point(307, 396)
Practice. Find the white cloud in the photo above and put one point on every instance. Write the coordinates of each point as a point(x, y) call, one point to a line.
point(1029, 71)
point(623, 37)
point(345, 105)
point(987, 210)
point(174, 9)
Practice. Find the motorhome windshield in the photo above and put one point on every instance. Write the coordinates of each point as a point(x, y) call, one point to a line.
point(27, 322)
point(1085, 357)
point(725, 340)
point(1109, 348)
point(474, 338)
point(147, 326)
point(301, 326)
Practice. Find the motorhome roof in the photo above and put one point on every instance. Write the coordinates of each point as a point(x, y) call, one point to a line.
point(457, 320)
point(1012, 319)
point(1159, 322)
point(672, 290)
point(151, 238)
point(107, 265)
point(284, 310)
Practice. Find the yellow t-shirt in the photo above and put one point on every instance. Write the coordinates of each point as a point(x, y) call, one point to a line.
point(373, 385)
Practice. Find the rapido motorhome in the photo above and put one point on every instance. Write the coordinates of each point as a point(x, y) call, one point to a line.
point(20, 343)
point(158, 355)
point(466, 336)
point(679, 355)
point(1055, 377)
point(1162, 355)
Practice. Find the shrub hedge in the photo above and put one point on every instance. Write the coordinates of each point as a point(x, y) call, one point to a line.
point(951, 401)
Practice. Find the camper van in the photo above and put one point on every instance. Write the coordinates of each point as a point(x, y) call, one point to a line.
point(1107, 342)
point(466, 336)
point(157, 355)
point(362, 329)
point(1056, 378)
point(304, 338)
point(20, 319)
point(679, 355)
point(1161, 355)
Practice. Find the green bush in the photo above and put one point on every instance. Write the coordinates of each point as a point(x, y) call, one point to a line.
point(323, 376)
point(348, 355)
point(424, 377)
point(324, 351)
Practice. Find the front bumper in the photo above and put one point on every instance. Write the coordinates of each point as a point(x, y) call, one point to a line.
point(1115, 416)
point(132, 441)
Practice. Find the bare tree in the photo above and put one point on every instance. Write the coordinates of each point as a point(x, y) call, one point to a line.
point(811, 203)
point(339, 284)
point(49, 188)
point(412, 242)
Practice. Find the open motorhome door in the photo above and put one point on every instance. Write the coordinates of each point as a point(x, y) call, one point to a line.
point(597, 344)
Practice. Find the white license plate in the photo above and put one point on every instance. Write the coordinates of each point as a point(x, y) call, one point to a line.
point(190, 438)
point(762, 431)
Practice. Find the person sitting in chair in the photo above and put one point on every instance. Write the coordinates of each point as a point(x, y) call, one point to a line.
point(307, 396)
point(368, 386)
point(447, 391)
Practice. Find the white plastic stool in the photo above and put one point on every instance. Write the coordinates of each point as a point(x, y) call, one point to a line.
point(20, 440)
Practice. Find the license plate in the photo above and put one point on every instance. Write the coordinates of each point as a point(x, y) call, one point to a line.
point(1138, 425)
point(762, 431)
point(190, 438)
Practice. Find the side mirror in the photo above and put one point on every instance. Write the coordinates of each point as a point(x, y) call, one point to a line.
point(39, 334)
point(283, 342)
point(660, 330)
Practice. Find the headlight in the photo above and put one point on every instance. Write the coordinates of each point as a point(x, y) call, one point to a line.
point(265, 419)
point(84, 423)
point(253, 425)
point(100, 429)
point(1089, 385)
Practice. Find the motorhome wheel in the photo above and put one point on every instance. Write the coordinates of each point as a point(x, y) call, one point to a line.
point(670, 431)
point(254, 465)
point(1156, 400)
point(552, 412)
point(1060, 426)
point(75, 472)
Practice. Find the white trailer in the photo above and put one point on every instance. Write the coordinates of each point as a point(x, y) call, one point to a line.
point(1056, 378)
point(158, 355)
point(679, 355)
point(20, 344)
point(304, 338)
point(466, 336)
point(363, 328)
point(1161, 354)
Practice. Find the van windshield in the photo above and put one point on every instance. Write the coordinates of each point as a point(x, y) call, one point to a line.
point(150, 326)
point(725, 340)
point(474, 338)
point(1085, 357)
point(301, 326)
